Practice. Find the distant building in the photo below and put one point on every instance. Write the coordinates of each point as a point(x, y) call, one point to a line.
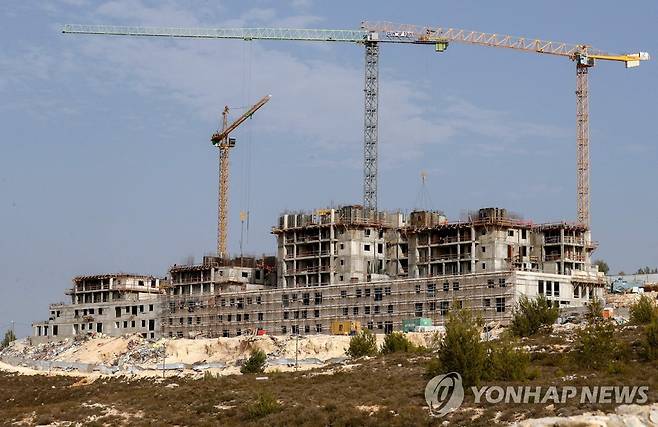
point(112, 304)
point(626, 282)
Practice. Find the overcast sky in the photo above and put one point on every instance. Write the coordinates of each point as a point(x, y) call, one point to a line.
point(106, 163)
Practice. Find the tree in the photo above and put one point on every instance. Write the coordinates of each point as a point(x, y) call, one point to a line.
point(594, 311)
point(647, 270)
point(256, 363)
point(397, 342)
point(9, 337)
point(461, 350)
point(603, 266)
point(363, 344)
point(643, 311)
point(533, 315)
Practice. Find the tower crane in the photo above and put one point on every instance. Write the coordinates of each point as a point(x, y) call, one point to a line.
point(224, 143)
point(370, 35)
point(583, 55)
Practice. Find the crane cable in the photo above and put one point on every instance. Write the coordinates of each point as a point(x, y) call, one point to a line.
point(247, 158)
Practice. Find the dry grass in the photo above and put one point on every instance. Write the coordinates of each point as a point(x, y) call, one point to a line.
point(393, 383)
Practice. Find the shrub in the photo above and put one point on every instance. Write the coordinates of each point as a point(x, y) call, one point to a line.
point(208, 376)
point(9, 337)
point(594, 311)
point(643, 311)
point(597, 346)
point(397, 342)
point(264, 405)
point(362, 344)
point(434, 342)
point(255, 364)
point(506, 362)
point(533, 315)
point(650, 344)
point(461, 349)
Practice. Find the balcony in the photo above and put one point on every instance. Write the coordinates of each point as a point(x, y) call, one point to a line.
point(568, 240)
point(309, 270)
point(309, 254)
point(566, 257)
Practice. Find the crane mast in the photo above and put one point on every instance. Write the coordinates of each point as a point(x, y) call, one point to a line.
point(583, 55)
point(222, 196)
point(224, 143)
point(372, 34)
point(582, 145)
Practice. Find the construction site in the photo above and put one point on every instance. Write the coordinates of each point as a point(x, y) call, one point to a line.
point(357, 263)
point(337, 272)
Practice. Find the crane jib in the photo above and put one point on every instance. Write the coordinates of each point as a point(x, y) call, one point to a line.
point(371, 35)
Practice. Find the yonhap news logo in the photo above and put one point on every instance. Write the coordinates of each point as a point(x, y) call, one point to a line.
point(444, 393)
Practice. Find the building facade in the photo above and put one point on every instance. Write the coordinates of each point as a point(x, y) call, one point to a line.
point(346, 264)
point(111, 304)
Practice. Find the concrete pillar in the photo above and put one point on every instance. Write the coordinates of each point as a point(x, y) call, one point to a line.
point(332, 249)
point(562, 250)
point(459, 251)
point(473, 249)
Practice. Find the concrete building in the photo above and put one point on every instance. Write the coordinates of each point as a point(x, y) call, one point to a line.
point(112, 304)
point(332, 246)
point(380, 269)
point(345, 264)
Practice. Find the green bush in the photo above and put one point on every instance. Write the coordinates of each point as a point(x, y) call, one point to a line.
point(461, 349)
point(650, 344)
point(9, 337)
point(362, 344)
point(594, 311)
point(397, 342)
point(506, 362)
point(255, 364)
point(533, 315)
point(597, 345)
point(643, 311)
point(264, 405)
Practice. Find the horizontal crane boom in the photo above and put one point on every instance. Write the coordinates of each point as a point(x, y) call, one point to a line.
point(412, 33)
point(353, 36)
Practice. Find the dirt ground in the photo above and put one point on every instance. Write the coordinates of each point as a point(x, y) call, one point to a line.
point(384, 390)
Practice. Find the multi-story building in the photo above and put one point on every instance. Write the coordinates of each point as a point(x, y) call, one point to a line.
point(380, 269)
point(332, 246)
point(112, 304)
point(345, 263)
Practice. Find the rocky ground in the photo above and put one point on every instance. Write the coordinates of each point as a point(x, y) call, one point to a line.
point(134, 355)
point(118, 381)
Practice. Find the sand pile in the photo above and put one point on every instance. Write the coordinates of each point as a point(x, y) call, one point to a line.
point(134, 354)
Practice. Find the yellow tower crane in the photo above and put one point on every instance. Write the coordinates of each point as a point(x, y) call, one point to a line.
point(583, 55)
point(222, 141)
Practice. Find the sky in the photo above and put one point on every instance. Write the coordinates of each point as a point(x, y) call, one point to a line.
point(105, 156)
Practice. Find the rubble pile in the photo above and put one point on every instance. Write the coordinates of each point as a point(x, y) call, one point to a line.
point(627, 299)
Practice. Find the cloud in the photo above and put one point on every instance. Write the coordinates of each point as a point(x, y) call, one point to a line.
point(301, 4)
point(161, 13)
point(317, 103)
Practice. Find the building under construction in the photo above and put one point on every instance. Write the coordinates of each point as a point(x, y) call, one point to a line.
point(111, 304)
point(380, 269)
point(345, 263)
